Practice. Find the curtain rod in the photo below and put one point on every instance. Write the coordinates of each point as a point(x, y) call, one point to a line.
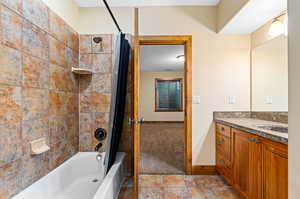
point(112, 15)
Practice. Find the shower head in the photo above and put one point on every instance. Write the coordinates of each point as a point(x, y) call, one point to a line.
point(97, 40)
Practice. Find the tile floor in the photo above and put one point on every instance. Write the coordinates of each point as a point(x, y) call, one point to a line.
point(180, 187)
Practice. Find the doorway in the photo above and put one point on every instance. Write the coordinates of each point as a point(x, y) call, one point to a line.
point(162, 109)
point(186, 42)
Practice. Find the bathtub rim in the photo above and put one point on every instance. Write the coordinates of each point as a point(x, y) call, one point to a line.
point(120, 158)
point(105, 185)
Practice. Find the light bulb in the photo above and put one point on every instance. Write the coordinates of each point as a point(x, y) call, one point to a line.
point(277, 28)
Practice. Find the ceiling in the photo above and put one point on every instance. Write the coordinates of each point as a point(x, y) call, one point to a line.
point(141, 3)
point(253, 15)
point(161, 58)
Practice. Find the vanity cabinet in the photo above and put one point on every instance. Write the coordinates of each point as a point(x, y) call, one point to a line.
point(224, 151)
point(275, 171)
point(247, 168)
point(254, 166)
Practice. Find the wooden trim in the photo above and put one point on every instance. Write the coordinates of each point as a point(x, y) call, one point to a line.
point(188, 102)
point(162, 122)
point(185, 40)
point(181, 95)
point(165, 40)
point(204, 170)
point(136, 98)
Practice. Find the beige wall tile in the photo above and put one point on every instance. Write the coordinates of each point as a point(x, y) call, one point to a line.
point(10, 66)
point(10, 104)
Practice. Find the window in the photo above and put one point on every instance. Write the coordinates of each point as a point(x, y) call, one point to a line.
point(168, 95)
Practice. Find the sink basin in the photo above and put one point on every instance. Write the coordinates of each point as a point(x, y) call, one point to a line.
point(281, 129)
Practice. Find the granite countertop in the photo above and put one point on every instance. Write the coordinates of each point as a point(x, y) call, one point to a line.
point(250, 125)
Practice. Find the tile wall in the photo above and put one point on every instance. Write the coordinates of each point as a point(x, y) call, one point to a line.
point(38, 92)
point(95, 92)
point(40, 97)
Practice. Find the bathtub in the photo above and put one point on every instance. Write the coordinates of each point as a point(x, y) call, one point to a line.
point(80, 177)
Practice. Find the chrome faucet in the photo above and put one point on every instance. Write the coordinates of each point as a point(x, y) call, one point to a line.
point(99, 157)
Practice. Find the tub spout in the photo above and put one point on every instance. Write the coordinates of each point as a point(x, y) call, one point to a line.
point(99, 157)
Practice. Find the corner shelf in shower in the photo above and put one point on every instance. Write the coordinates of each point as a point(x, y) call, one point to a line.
point(82, 71)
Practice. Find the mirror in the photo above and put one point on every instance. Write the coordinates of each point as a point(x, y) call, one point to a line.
point(270, 76)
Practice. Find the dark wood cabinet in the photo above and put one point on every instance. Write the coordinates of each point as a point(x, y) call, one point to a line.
point(254, 166)
point(275, 172)
point(247, 164)
point(241, 165)
point(224, 152)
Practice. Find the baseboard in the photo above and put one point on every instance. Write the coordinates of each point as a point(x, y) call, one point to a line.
point(204, 170)
point(161, 122)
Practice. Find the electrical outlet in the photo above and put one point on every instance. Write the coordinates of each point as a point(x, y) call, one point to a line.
point(196, 99)
point(232, 100)
point(269, 100)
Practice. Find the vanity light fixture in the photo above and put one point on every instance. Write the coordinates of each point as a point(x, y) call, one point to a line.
point(278, 27)
point(181, 58)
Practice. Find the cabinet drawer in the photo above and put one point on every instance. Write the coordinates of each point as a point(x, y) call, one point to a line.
point(224, 130)
point(223, 167)
point(224, 146)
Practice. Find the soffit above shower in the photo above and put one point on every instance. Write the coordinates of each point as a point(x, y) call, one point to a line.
point(161, 58)
point(141, 3)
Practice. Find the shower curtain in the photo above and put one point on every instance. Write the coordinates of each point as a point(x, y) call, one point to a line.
point(118, 99)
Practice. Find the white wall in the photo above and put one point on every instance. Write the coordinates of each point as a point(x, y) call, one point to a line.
point(221, 67)
point(227, 9)
point(294, 99)
point(270, 75)
point(147, 95)
point(66, 9)
point(221, 63)
point(98, 20)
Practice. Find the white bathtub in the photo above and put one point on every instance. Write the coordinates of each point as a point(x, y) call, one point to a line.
point(75, 179)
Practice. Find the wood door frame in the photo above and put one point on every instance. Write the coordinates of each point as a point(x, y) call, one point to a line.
point(135, 104)
point(185, 40)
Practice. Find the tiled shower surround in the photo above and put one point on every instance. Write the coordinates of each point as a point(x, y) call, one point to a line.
point(95, 92)
point(39, 95)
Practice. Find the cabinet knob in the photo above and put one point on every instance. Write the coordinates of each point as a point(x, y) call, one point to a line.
point(222, 129)
point(222, 161)
point(257, 141)
point(222, 140)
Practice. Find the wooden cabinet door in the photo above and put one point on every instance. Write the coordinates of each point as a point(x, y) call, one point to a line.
point(241, 165)
point(275, 172)
point(223, 145)
point(247, 169)
point(256, 168)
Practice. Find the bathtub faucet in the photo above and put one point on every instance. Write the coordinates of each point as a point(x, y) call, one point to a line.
point(98, 146)
point(99, 157)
